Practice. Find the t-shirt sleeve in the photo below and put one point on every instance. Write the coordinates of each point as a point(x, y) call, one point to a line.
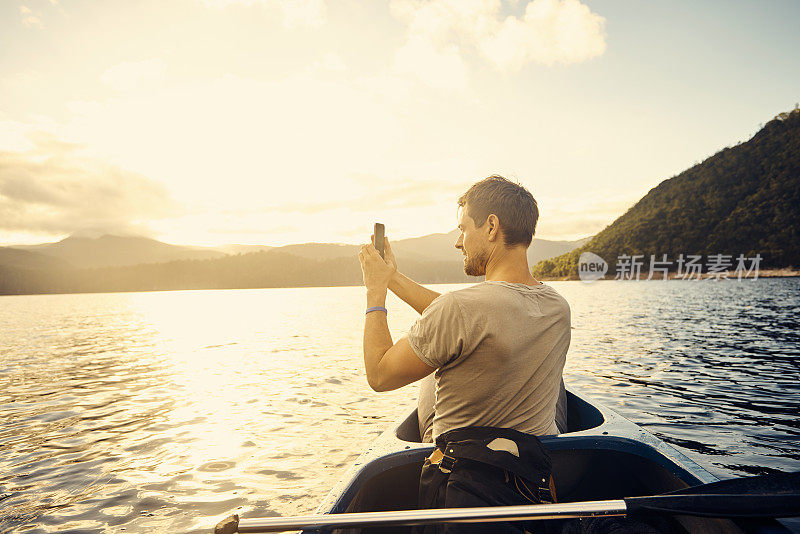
point(438, 336)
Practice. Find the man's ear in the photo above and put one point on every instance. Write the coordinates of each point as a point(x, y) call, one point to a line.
point(494, 226)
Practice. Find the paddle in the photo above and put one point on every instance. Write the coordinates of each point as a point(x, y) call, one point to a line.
point(774, 495)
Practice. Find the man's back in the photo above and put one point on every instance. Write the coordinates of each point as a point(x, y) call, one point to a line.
point(499, 349)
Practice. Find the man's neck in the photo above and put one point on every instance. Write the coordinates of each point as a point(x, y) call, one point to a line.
point(510, 265)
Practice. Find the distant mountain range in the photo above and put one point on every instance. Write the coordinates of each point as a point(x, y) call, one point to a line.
point(127, 263)
point(742, 200)
point(23, 259)
point(432, 247)
point(113, 250)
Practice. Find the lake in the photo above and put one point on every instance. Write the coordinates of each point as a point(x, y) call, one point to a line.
point(141, 412)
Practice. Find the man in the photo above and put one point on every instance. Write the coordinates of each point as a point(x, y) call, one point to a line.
point(498, 348)
point(525, 315)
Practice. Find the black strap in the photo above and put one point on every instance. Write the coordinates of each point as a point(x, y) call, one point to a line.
point(529, 471)
point(532, 463)
point(432, 481)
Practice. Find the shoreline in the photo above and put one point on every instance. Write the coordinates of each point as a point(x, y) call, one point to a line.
point(762, 273)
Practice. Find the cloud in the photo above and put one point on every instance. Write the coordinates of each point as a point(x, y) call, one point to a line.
point(270, 153)
point(303, 13)
point(409, 207)
point(50, 189)
point(327, 63)
point(135, 76)
point(549, 32)
point(296, 13)
point(380, 194)
point(437, 67)
point(333, 62)
point(242, 142)
point(29, 18)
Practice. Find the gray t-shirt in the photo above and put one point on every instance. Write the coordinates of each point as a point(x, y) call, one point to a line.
point(426, 402)
point(499, 349)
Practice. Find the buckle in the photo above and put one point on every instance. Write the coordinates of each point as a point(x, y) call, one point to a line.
point(447, 464)
point(544, 494)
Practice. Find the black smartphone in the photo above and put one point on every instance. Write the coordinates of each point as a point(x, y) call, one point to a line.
point(379, 235)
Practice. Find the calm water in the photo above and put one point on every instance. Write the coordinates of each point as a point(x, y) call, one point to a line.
point(144, 412)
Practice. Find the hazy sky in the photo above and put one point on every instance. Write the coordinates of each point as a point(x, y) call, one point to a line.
point(273, 122)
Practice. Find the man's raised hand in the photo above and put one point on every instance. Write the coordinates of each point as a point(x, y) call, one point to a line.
point(377, 271)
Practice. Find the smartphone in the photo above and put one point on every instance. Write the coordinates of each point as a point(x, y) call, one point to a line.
point(380, 232)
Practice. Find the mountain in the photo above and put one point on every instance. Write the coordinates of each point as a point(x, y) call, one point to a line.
point(541, 249)
point(24, 259)
point(441, 247)
point(112, 250)
point(432, 247)
point(259, 269)
point(742, 200)
point(319, 251)
point(242, 249)
point(420, 249)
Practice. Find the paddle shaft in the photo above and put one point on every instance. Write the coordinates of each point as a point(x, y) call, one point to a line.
point(438, 515)
point(732, 506)
point(772, 495)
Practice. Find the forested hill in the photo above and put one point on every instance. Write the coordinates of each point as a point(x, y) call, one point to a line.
point(742, 200)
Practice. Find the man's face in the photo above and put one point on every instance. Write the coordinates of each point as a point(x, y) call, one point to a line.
point(472, 243)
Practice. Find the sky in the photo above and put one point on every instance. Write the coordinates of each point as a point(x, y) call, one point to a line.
point(208, 122)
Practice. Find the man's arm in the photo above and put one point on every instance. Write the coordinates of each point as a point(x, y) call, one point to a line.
point(388, 366)
point(405, 288)
point(410, 292)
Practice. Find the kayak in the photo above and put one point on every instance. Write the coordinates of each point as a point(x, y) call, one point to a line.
point(602, 456)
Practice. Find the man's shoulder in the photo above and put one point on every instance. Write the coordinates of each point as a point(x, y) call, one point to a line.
point(467, 294)
point(492, 292)
point(497, 293)
point(490, 289)
point(461, 299)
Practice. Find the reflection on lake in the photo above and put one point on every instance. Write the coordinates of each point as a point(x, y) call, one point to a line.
point(165, 411)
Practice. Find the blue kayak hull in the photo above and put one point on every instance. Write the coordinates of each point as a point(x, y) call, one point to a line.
point(601, 456)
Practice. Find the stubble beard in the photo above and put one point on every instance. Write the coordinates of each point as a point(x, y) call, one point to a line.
point(476, 265)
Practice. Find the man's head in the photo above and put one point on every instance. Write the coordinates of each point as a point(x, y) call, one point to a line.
point(494, 211)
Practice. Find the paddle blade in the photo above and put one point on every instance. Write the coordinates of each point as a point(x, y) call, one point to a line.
point(717, 505)
point(773, 495)
point(773, 483)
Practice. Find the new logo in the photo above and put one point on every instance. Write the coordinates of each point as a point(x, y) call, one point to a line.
point(591, 267)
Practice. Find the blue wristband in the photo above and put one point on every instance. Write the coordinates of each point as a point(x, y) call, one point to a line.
point(378, 308)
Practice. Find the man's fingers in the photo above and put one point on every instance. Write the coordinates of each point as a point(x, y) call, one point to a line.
point(371, 252)
point(368, 251)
